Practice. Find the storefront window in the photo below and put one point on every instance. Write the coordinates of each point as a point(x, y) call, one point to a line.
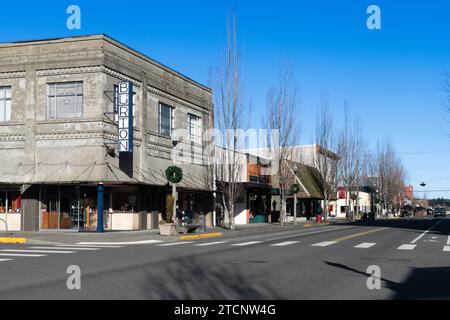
point(14, 202)
point(10, 202)
point(124, 202)
point(2, 202)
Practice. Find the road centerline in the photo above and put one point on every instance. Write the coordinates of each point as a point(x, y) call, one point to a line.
point(359, 234)
point(426, 232)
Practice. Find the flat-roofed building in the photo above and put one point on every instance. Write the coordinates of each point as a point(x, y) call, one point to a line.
point(59, 135)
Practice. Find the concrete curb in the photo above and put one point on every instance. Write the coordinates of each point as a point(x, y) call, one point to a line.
point(12, 240)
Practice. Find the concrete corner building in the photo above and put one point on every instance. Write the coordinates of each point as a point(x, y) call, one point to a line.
point(59, 136)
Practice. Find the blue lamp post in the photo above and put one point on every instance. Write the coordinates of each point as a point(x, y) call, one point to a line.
point(100, 197)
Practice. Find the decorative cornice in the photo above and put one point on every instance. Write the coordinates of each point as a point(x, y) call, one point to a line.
point(120, 76)
point(159, 147)
point(12, 75)
point(12, 137)
point(177, 100)
point(109, 136)
point(64, 71)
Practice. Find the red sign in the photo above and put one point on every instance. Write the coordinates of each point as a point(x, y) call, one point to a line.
point(342, 193)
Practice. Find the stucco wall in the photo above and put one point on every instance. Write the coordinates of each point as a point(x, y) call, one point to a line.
point(34, 149)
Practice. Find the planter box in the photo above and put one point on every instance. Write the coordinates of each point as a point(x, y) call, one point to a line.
point(168, 229)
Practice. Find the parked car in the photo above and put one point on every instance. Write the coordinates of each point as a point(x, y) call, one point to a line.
point(440, 212)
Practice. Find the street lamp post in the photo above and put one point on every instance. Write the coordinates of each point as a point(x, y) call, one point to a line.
point(295, 168)
point(100, 197)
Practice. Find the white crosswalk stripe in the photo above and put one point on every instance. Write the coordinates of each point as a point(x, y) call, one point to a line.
point(247, 243)
point(324, 244)
point(209, 244)
point(284, 244)
point(365, 245)
point(5, 260)
point(131, 243)
point(174, 244)
point(65, 248)
point(407, 247)
point(89, 246)
point(37, 251)
point(447, 248)
point(22, 255)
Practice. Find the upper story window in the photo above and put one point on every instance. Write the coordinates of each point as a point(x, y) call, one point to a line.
point(194, 127)
point(5, 104)
point(65, 100)
point(165, 120)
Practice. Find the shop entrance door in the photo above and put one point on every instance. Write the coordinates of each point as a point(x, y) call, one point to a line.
point(69, 213)
point(89, 210)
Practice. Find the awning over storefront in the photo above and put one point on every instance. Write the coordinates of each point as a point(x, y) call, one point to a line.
point(310, 183)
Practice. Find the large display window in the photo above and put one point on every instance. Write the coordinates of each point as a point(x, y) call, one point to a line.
point(10, 201)
point(75, 207)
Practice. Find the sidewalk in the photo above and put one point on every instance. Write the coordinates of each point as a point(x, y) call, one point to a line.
point(133, 237)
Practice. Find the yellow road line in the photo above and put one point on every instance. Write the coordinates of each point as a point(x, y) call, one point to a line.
point(201, 236)
point(309, 225)
point(13, 240)
point(359, 234)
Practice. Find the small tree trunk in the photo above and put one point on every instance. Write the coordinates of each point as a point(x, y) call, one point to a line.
point(283, 211)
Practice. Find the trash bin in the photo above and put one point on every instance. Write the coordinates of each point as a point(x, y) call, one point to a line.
point(372, 216)
point(319, 218)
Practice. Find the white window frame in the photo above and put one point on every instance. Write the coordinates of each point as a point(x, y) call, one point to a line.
point(195, 137)
point(160, 126)
point(6, 115)
point(76, 84)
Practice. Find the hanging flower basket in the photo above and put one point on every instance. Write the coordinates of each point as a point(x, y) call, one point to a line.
point(295, 188)
point(174, 174)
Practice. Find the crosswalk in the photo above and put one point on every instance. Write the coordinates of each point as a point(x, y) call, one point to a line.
point(8, 255)
point(39, 251)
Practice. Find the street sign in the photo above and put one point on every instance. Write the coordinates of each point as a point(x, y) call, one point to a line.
point(125, 116)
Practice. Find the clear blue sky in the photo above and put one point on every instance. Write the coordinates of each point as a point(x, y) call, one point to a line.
point(391, 77)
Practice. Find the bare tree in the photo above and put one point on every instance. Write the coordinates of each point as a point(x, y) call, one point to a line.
point(391, 175)
point(281, 116)
point(229, 120)
point(371, 176)
point(326, 161)
point(351, 152)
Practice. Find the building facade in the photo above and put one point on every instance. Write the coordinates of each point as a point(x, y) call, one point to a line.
point(358, 200)
point(59, 136)
point(253, 205)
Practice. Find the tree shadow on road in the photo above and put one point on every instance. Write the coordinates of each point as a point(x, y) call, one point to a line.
point(188, 279)
point(421, 283)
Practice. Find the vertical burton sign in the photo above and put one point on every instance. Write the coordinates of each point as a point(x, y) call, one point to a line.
point(125, 116)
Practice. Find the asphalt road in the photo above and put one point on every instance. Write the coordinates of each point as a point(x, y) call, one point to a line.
point(328, 262)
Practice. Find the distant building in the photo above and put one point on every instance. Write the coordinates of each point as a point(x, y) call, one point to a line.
point(409, 194)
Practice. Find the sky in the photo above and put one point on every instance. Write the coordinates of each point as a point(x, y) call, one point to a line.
point(391, 77)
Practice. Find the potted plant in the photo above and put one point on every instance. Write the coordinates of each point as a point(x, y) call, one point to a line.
point(167, 227)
